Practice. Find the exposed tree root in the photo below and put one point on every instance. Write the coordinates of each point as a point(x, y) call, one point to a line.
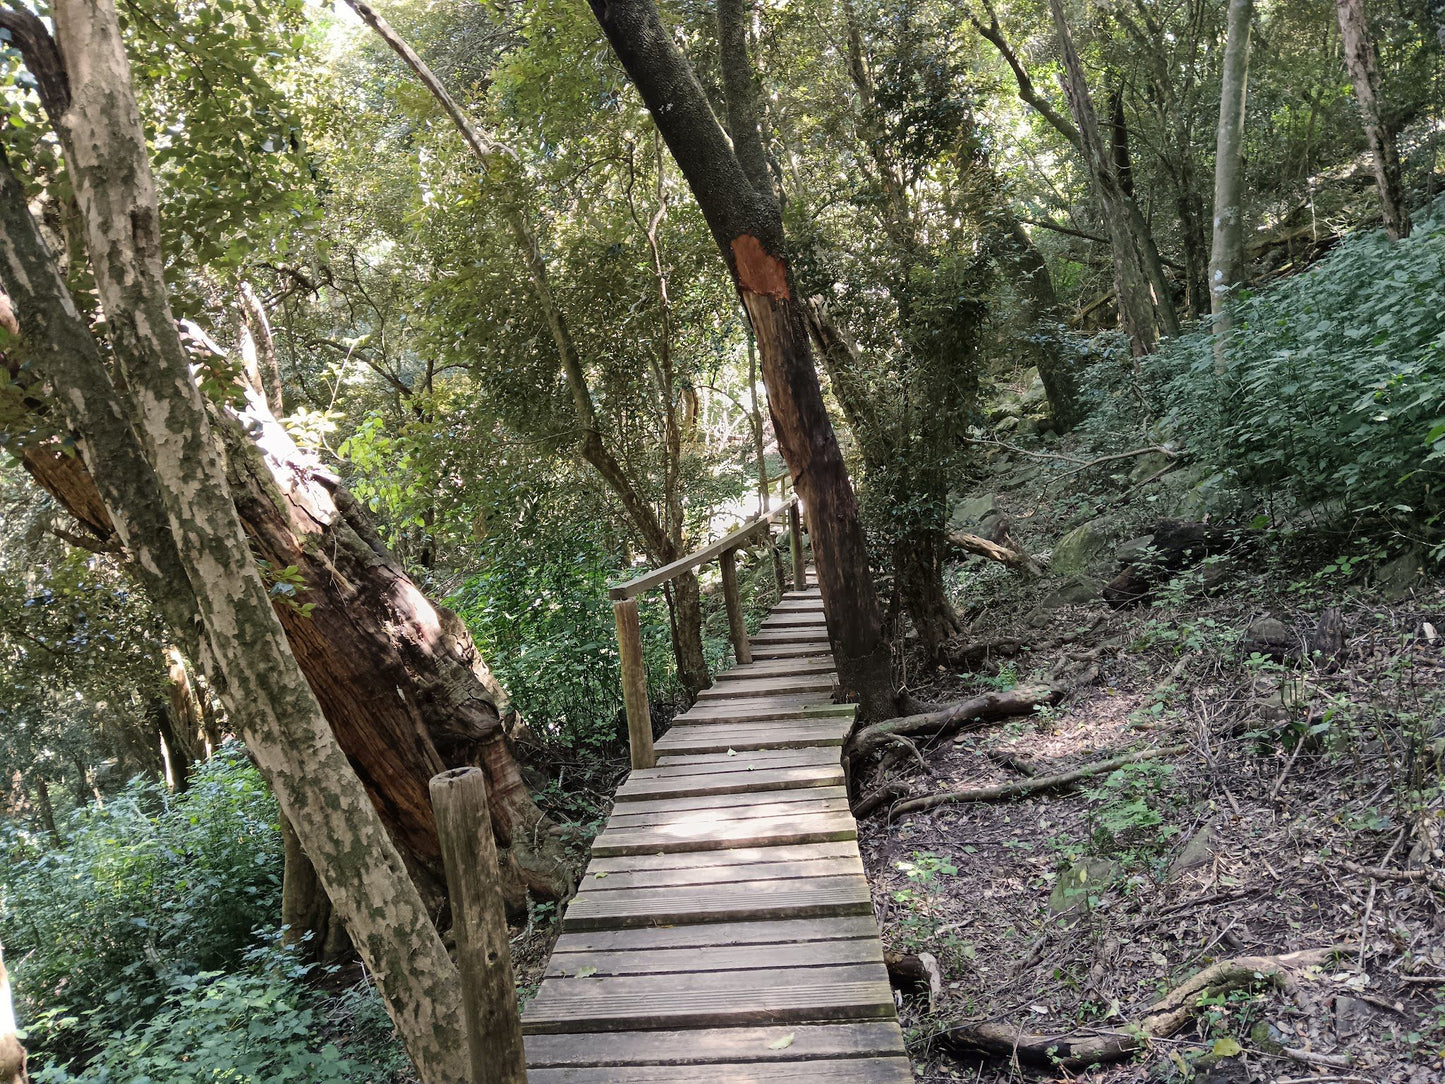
point(1164, 1018)
point(1040, 785)
point(960, 716)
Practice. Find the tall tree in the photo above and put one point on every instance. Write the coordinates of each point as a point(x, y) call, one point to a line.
point(1226, 255)
point(91, 101)
point(744, 216)
point(1363, 64)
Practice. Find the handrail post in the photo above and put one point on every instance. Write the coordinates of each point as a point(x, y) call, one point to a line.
point(742, 650)
point(484, 958)
point(795, 536)
point(634, 683)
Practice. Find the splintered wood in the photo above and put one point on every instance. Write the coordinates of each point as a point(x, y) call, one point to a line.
point(723, 930)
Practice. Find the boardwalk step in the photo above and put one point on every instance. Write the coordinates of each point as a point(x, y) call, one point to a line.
point(699, 835)
point(853, 1070)
point(763, 1046)
point(598, 879)
point(788, 804)
point(807, 995)
point(807, 620)
point(797, 667)
point(769, 685)
point(762, 758)
point(739, 782)
point(805, 897)
point(704, 934)
point(743, 739)
point(770, 637)
point(692, 801)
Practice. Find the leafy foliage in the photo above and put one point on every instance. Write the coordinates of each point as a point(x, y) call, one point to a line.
point(139, 893)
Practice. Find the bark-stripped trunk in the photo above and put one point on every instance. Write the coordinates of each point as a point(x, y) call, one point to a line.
point(1363, 64)
point(265, 692)
point(1133, 292)
point(746, 223)
point(1226, 256)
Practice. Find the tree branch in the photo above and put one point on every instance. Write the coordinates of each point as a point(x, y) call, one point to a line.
point(1028, 93)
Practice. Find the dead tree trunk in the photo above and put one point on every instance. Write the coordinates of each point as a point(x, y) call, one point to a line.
point(747, 225)
point(1363, 64)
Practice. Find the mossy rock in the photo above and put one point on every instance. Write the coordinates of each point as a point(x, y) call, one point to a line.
point(1081, 548)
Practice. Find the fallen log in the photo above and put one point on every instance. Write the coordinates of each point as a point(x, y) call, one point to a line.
point(1015, 559)
point(955, 717)
point(1008, 791)
point(1164, 1018)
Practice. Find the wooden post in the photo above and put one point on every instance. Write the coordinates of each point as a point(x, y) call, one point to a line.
point(634, 683)
point(489, 993)
point(795, 535)
point(739, 629)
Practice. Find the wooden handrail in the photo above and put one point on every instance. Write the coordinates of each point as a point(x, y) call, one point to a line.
point(629, 630)
point(730, 541)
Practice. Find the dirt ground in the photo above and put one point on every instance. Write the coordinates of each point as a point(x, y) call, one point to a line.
point(1072, 912)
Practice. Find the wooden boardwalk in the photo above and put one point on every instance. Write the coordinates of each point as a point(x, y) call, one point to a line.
point(723, 932)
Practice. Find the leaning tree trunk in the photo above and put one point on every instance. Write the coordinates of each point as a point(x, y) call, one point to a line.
point(1026, 269)
point(746, 223)
point(1363, 64)
point(1226, 256)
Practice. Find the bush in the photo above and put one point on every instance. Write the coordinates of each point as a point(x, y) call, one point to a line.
point(138, 896)
point(1335, 394)
point(260, 1026)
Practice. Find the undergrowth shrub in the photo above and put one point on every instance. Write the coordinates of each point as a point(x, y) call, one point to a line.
point(1334, 398)
point(136, 896)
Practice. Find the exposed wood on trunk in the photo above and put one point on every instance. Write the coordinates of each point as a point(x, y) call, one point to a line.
point(746, 223)
point(1363, 64)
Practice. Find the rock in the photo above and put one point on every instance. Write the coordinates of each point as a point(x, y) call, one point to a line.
point(1195, 492)
point(969, 514)
point(1085, 878)
point(1198, 850)
point(1075, 591)
point(1027, 427)
point(1271, 636)
point(1148, 465)
point(1035, 396)
point(1402, 576)
point(1352, 1016)
point(1289, 698)
point(1081, 547)
point(1133, 549)
point(1006, 423)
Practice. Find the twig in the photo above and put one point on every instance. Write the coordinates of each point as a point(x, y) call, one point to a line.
point(1274, 791)
point(1309, 1057)
point(1033, 786)
point(1410, 876)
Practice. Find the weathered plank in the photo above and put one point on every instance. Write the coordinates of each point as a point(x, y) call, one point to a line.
point(865, 1070)
point(734, 782)
point(717, 762)
point(728, 806)
point(692, 801)
point(769, 652)
point(738, 856)
point(721, 874)
point(862, 950)
point(804, 664)
point(810, 636)
point(700, 836)
point(803, 1042)
point(706, 739)
point(771, 685)
point(627, 1002)
point(703, 934)
point(798, 897)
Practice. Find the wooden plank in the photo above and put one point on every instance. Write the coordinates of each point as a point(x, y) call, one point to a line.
point(719, 762)
point(805, 804)
point(722, 874)
point(626, 1002)
point(686, 961)
point(720, 739)
point(737, 856)
point(794, 620)
point(763, 708)
point(774, 637)
point(875, 1070)
point(703, 934)
point(770, 685)
point(691, 802)
point(700, 836)
point(768, 652)
point(798, 897)
point(738, 782)
point(811, 601)
point(806, 664)
point(809, 1042)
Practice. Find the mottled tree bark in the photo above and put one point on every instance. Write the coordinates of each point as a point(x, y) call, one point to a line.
point(1363, 64)
point(747, 224)
point(265, 693)
point(1226, 255)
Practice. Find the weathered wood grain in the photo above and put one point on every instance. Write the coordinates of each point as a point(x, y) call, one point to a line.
point(757, 1045)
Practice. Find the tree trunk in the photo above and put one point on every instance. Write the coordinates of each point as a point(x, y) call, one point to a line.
point(43, 804)
point(1226, 255)
point(918, 561)
point(1140, 302)
point(747, 226)
point(307, 916)
point(1362, 62)
point(1026, 269)
point(100, 130)
point(687, 634)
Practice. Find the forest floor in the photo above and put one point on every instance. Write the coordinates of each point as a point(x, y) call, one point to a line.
point(1071, 913)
